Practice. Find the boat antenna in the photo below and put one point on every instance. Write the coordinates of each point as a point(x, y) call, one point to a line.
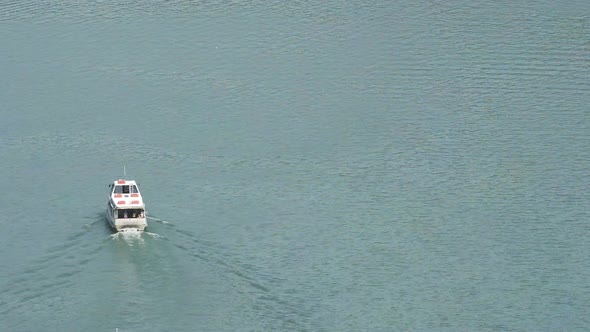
point(124, 172)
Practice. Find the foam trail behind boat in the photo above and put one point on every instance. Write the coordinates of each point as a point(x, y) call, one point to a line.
point(159, 220)
point(128, 236)
point(154, 235)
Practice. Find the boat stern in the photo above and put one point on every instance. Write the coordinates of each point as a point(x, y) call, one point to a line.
point(130, 224)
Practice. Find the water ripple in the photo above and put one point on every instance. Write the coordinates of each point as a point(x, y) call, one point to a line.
point(265, 300)
point(50, 273)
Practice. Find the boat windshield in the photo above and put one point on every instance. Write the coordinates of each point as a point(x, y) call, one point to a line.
point(126, 189)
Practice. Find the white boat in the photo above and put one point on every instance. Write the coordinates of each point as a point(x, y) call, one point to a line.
point(125, 208)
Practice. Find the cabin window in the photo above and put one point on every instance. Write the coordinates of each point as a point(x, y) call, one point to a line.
point(130, 213)
point(125, 189)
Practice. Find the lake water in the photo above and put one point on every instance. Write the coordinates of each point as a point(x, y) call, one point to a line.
point(306, 165)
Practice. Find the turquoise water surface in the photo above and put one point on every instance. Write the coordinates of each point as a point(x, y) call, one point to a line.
point(306, 165)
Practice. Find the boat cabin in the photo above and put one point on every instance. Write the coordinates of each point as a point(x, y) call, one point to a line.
point(126, 201)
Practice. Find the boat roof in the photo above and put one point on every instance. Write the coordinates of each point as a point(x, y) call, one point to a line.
point(131, 200)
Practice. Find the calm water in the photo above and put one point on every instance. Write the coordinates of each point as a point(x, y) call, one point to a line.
point(307, 165)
